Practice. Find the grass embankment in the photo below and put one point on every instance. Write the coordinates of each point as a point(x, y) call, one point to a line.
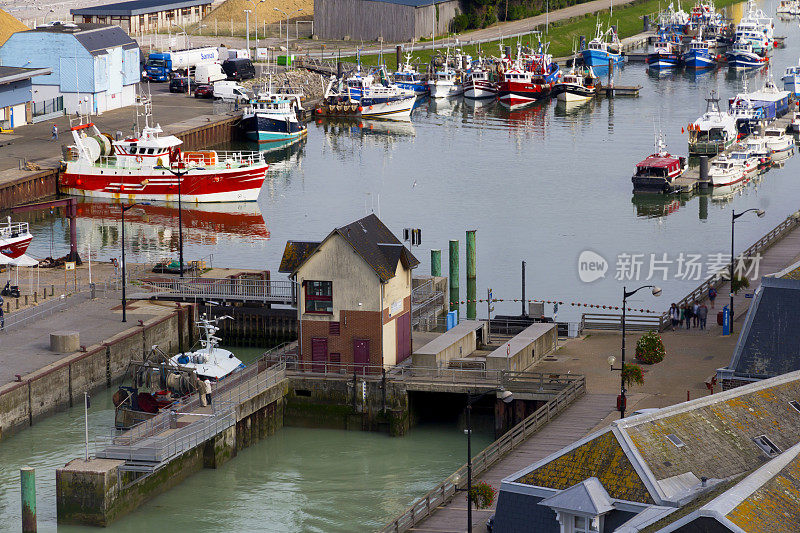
point(563, 35)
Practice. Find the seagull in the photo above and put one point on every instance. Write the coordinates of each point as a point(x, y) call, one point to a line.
point(414, 184)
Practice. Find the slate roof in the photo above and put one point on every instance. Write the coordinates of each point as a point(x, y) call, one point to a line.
point(769, 343)
point(95, 38)
point(411, 3)
point(369, 237)
point(587, 497)
point(12, 74)
point(635, 461)
point(137, 7)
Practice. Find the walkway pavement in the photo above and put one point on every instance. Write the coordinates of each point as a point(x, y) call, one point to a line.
point(575, 422)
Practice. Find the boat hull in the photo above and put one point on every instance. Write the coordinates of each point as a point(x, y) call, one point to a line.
point(441, 90)
point(14, 247)
point(266, 129)
point(573, 93)
point(599, 58)
point(744, 60)
point(480, 89)
point(663, 61)
point(224, 185)
point(698, 61)
point(652, 184)
point(512, 93)
point(726, 179)
point(390, 108)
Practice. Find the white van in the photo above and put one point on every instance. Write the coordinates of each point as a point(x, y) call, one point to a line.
point(209, 73)
point(230, 91)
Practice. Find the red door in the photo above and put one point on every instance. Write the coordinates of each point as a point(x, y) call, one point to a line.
point(360, 353)
point(403, 336)
point(319, 354)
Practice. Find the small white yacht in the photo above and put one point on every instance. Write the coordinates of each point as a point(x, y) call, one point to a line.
point(747, 160)
point(780, 145)
point(209, 361)
point(724, 171)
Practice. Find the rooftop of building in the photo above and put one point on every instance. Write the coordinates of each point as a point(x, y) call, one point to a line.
point(369, 238)
point(95, 38)
point(14, 74)
point(137, 7)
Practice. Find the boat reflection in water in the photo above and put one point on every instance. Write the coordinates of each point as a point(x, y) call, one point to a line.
point(152, 229)
point(529, 119)
point(574, 108)
point(445, 106)
point(655, 205)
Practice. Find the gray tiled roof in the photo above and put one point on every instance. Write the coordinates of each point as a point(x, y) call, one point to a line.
point(95, 38)
point(769, 344)
point(587, 497)
point(137, 7)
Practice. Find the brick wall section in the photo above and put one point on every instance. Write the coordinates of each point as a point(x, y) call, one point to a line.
point(406, 309)
point(353, 325)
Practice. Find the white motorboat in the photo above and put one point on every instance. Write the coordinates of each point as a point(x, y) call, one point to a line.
point(757, 147)
point(478, 85)
point(724, 171)
point(14, 239)
point(712, 133)
point(748, 161)
point(788, 7)
point(210, 361)
point(445, 83)
point(780, 145)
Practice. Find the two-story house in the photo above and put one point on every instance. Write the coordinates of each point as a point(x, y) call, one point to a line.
point(354, 305)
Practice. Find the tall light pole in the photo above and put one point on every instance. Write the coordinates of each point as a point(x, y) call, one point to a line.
point(124, 301)
point(507, 397)
point(247, 23)
point(188, 70)
point(611, 360)
point(255, 14)
point(180, 173)
point(287, 29)
point(734, 216)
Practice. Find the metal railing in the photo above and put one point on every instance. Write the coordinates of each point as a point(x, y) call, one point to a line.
point(253, 290)
point(48, 106)
point(701, 291)
point(446, 490)
point(426, 302)
point(613, 321)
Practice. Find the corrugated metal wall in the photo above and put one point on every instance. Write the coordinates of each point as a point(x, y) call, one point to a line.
point(51, 50)
point(424, 17)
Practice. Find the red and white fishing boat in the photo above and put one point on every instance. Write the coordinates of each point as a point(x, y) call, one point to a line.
point(530, 78)
point(656, 171)
point(14, 238)
point(478, 85)
point(139, 168)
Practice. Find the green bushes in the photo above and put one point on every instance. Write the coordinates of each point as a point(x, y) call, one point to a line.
point(650, 349)
point(632, 375)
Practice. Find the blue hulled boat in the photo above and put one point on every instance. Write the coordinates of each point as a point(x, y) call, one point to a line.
point(273, 118)
point(742, 56)
point(408, 78)
point(665, 55)
point(603, 48)
point(698, 56)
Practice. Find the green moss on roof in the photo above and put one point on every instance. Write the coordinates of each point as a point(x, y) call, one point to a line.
point(692, 506)
point(773, 508)
point(601, 457)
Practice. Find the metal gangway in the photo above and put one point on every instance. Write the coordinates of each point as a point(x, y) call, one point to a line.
point(224, 290)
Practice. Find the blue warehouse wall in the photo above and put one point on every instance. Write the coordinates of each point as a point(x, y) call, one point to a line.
point(15, 93)
point(131, 73)
point(60, 52)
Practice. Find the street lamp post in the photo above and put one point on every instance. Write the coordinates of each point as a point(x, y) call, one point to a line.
point(611, 360)
point(247, 23)
point(506, 396)
point(287, 29)
point(180, 173)
point(124, 280)
point(255, 14)
point(734, 216)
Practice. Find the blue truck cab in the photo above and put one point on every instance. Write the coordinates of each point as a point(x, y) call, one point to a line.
point(158, 66)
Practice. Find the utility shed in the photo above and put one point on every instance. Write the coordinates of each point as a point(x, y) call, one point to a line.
point(525, 349)
point(16, 95)
point(392, 20)
point(94, 67)
point(769, 342)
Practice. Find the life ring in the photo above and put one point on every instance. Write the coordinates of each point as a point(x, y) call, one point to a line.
point(139, 159)
point(227, 165)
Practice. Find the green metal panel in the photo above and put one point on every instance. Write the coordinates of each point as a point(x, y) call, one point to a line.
point(27, 478)
point(436, 263)
point(472, 277)
point(454, 275)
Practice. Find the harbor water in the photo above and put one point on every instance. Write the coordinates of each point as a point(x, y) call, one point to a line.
point(542, 184)
point(299, 479)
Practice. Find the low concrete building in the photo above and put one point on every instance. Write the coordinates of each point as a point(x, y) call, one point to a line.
point(725, 462)
point(525, 349)
point(16, 95)
point(354, 305)
point(137, 16)
point(769, 341)
point(392, 20)
point(93, 67)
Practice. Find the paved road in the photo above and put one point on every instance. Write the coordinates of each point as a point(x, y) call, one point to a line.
point(572, 424)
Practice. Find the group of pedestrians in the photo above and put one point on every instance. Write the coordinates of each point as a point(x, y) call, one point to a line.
point(689, 315)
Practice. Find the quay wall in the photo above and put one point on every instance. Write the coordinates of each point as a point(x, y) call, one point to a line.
point(100, 491)
point(29, 187)
point(61, 384)
point(256, 326)
point(337, 404)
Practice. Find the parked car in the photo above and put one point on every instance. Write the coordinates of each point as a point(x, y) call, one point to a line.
point(239, 69)
point(204, 91)
point(179, 85)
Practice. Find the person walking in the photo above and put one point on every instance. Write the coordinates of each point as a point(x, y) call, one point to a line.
point(208, 390)
point(712, 295)
point(695, 318)
point(674, 315)
point(687, 315)
point(681, 316)
point(2, 318)
point(55, 133)
point(702, 315)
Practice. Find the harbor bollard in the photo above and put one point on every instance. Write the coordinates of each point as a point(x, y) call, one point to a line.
point(27, 478)
point(703, 168)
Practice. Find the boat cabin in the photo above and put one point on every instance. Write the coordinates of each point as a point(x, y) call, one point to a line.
point(660, 166)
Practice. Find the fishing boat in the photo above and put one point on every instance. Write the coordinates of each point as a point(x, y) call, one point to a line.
point(656, 172)
point(666, 54)
point(772, 101)
point(14, 238)
point(140, 167)
point(742, 56)
point(408, 78)
point(756, 28)
point(603, 48)
point(576, 86)
point(366, 99)
point(724, 172)
point(531, 77)
point(209, 361)
point(791, 79)
point(698, 56)
point(478, 84)
point(780, 145)
point(747, 115)
point(445, 83)
point(748, 161)
point(274, 117)
point(713, 132)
